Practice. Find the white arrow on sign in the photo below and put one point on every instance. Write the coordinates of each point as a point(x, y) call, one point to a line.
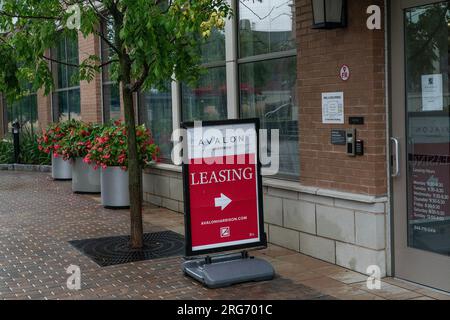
point(223, 201)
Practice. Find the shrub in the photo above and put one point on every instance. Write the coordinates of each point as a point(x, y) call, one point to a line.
point(6, 152)
point(110, 148)
point(79, 140)
point(30, 153)
point(29, 149)
point(51, 138)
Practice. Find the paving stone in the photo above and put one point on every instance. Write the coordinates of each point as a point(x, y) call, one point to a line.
point(40, 216)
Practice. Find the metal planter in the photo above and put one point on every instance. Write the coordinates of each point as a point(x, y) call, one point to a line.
point(85, 179)
point(114, 188)
point(61, 169)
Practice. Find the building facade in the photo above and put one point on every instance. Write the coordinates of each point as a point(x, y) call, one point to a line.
point(388, 207)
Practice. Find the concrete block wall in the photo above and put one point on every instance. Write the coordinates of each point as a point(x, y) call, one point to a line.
point(348, 230)
point(164, 188)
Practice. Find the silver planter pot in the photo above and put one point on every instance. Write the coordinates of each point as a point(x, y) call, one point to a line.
point(61, 170)
point(114, 187)
point(85, 179)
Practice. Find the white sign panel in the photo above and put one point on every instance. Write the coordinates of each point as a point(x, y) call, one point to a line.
point(432, 96)
point(333, 108)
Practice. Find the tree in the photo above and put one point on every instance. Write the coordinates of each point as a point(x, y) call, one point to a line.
point(153, 41)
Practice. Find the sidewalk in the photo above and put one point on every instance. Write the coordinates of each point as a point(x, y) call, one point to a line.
point(39, 216)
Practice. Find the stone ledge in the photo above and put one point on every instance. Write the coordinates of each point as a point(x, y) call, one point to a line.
point(298, 187)
point(283, 185)
point(25, 168)
point(163, 167)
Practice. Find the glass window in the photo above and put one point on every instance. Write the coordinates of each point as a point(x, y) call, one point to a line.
point(267, 92)
point(208, 100)
point(155, 110)
point(111, 102)
point(214, 48)
point(268, 83)
point(111, 91)
point(266, 26)
point(66, 97)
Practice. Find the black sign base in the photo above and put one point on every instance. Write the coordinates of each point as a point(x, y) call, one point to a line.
point(225, 271)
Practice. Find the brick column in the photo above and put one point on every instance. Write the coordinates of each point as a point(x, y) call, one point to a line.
point(321, 54)
point(90, 92)
point(44, 109)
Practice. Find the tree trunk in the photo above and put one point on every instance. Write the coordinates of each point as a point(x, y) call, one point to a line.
point(134, 167)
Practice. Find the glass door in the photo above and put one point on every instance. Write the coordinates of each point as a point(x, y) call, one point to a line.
point(420, 61)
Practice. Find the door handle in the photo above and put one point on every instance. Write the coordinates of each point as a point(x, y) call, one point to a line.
point(396, 158)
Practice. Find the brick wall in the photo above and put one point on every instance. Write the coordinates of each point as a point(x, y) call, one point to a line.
point(90, 92)
point(321, 54)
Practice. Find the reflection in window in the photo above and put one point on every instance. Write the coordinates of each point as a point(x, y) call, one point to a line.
point(267, 84)
point(111, 91)
point(24, 111)
point(266, 26)
point(155, 109)
point(111, 102)
point(66, 97)
point(214, 48)
point(208, 100)
point(267, 92)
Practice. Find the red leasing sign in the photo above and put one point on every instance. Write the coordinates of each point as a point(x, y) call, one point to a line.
point(222, 187)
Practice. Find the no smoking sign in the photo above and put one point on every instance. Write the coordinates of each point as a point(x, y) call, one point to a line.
point(344, 73)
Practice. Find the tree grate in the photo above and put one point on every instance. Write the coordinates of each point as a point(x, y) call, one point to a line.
point(113, 251)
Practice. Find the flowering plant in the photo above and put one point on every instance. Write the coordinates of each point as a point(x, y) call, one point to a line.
point(79, 140)
point(51, 138)
point(110, 148)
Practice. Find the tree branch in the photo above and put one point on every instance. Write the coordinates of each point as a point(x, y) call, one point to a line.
point(138, 84)
point(78, 65)
point(108, 42)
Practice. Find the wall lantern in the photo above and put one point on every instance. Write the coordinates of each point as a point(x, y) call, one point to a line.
point(329, 14)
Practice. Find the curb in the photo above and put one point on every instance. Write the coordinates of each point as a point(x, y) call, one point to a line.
point(25, 168)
